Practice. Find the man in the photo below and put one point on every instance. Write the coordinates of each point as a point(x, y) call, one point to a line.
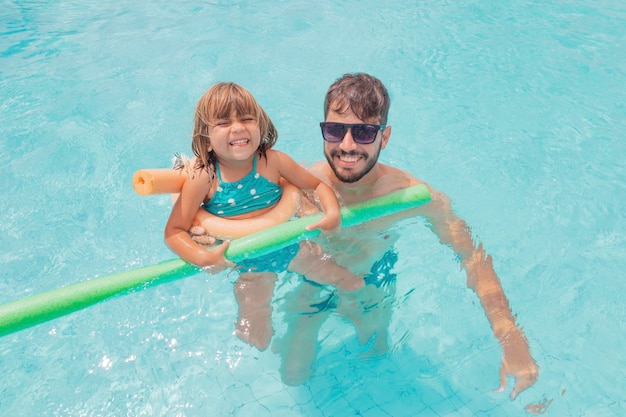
point(355, 131)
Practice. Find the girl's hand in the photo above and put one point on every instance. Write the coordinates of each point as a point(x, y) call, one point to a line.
point(201, 237)
point(214, 261)
point(331, 221)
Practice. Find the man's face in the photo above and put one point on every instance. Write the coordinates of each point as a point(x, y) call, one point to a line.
point(351, 161)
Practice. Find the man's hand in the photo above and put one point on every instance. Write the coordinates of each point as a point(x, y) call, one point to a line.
point(516, 361)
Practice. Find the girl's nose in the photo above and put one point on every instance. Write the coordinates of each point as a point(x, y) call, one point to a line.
point(236, 125)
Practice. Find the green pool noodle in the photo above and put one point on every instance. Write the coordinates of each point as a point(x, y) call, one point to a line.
point(43, 307)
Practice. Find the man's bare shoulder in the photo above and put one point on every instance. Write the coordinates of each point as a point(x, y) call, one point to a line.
point(388, 170)
point(391, 179)
point(320, 169)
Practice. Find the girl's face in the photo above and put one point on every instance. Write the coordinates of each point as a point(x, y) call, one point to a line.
point(234, 139)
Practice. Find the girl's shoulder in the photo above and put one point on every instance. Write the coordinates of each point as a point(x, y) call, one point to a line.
point(274, 158)
point(202, 178)
point(272, 164)
point(273, 153)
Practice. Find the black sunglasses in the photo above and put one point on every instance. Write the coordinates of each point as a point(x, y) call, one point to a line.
point(362, 133)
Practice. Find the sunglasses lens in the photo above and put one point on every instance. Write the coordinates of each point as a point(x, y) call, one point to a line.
point(364, 133)
point(333, 132)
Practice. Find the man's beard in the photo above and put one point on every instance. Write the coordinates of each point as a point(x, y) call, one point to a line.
point(351, 176)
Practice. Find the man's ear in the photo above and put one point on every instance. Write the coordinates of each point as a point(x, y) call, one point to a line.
point(385, 138)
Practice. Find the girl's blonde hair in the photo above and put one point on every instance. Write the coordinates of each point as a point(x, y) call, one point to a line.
point(219, 102)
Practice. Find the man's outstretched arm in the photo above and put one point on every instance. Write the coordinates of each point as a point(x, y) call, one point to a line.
point(482, 278)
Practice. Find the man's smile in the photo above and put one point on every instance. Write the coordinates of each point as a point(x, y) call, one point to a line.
point(348, 159)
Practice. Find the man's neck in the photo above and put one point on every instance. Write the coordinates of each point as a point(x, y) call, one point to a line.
point(381, 180)
point(363, 189)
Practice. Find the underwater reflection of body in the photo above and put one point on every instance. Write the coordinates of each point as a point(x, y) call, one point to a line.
point(309, 305)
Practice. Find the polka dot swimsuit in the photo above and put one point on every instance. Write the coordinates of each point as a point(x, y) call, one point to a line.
point(252, 192)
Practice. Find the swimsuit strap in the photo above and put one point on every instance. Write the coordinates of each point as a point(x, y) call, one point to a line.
point(217, 171)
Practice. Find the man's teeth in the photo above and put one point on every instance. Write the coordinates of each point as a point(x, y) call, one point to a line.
point(349, 158)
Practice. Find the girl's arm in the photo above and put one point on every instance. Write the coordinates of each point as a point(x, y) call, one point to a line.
point(177, 228)
point(299, 176)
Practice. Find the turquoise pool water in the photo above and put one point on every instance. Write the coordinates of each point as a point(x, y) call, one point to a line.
point(515, 109)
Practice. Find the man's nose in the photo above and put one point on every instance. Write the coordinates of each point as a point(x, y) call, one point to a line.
point(348, 142)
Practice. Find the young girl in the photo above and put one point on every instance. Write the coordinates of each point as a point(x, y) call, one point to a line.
point(236, 174)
